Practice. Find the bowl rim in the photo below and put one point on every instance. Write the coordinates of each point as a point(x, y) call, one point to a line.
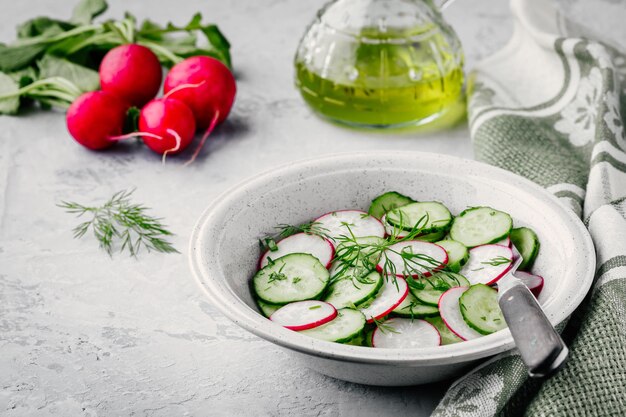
point(230, 305)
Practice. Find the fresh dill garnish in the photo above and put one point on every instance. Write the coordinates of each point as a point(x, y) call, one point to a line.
point(277, 275)
point(296, 280)
point(268, 243)
point(441, 281)
point(120, 221)
point(286, 230)
point(315, 307)
point(498, 260)
point(369, 253)
point(384, 327)
point(410, 306)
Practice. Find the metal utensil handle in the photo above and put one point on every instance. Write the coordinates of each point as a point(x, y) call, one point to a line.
point(540, 346)
point(443, 4)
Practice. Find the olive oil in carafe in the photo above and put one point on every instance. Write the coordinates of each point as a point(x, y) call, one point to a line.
point(388, 85)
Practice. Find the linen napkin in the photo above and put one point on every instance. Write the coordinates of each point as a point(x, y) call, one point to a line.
point(552, 107)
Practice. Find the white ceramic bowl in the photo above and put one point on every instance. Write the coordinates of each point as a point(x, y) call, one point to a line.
point(224, 249)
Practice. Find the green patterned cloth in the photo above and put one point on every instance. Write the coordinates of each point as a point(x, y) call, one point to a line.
point(551, 107)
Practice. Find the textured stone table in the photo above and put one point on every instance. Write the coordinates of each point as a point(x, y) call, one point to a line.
point(84, 335)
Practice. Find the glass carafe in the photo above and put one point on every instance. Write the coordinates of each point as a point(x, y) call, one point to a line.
point(381, 63)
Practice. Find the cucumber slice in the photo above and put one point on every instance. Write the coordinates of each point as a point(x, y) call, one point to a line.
point(458, 254)
point(388, 201)
point(411, 307)
point(347, 325)
point(358, 340)
point(450, 312)
point(267, 309)
point(447, 337)
point(430, 216)
point(527, 243)
point(317, 246)
point(432, 237)
point(480, 309)
point(480, 225)
point(398, 233)
point(428, 290)
point(294, 277)
point(369, 332)
point(353, 290)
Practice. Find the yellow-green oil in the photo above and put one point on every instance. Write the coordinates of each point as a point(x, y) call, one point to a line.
point(388, 86)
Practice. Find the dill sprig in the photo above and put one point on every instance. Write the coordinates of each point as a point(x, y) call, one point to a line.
point(356, 257)
point(120, 221)
point(278, 275)
point(441, 281)
point(354, 252)
point(410, 306)
point(497, 261)
point(286, 230)
point(383, 327)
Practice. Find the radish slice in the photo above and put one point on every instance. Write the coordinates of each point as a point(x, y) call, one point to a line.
point(391, 294)
point(314, 245)
point(504, 242)
point(303, 315)
point(487, 264)
point(533, 282)
point(450, 312)
point(406, 334)
point(349, 223)
point(432, 258)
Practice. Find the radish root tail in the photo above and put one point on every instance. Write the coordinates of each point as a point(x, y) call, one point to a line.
point(216, 116)
point(175, 148)
point(134, 135)
point(182, 87)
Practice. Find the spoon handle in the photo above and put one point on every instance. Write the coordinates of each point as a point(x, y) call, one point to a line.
point(443, 4)
point(540, 346)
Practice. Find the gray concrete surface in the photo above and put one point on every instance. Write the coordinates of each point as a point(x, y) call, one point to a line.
point(82, 334)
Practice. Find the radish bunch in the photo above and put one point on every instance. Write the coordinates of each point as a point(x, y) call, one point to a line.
point(199, 93)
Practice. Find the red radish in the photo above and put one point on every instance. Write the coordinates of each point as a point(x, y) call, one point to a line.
point(450, 311)
point(169, 123)
point(215, 88)
point(391, 294)
point(504, 242)
point(207, 86)
point(95, 118)
point(315, 245)
point(533, 282)
point(431, 258)
point(133, 72)
point(406, 334)
point(303, 315)
point(487, 264)
point(360, 223)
